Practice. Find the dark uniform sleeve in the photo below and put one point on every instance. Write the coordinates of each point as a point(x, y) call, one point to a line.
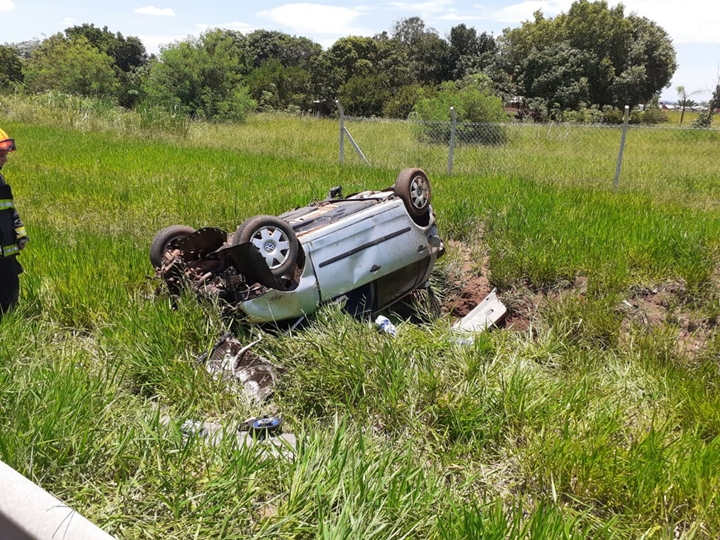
point(22, 237)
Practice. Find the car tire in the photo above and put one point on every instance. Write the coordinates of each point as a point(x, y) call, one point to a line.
point(164, 239)
point(274, 239)
point(413, 187)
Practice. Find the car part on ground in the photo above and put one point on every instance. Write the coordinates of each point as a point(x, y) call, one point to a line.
point(262, 427)
point(486, 314)
point(373, 247)
point(229, 359)
point(274, 444)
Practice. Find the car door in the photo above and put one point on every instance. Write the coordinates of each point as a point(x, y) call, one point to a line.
point(365, 247)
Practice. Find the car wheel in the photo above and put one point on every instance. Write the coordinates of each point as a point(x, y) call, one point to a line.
point(413, 187)
point(164, 239)
point(273, 238)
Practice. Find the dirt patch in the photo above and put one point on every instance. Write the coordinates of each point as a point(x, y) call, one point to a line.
point(468, 282)
point(661, 305)
point(666, 305)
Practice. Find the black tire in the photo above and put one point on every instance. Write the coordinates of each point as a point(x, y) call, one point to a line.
point(274, 239)
point(413, 187)
point(163, 240)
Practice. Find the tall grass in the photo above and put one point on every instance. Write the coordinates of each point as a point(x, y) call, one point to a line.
point(584, 424)
point(92, 114)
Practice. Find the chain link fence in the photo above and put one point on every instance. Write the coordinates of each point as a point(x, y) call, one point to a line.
point(679, 159)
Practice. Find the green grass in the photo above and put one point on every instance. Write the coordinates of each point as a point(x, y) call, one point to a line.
point(585, 424)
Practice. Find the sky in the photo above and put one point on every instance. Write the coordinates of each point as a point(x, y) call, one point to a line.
point(694, 25)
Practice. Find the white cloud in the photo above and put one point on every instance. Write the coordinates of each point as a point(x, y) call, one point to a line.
point(517, 13)
point(238, 26)
point(69, 20)
point(152, 10)
point(696, 21)
point(425, 9)
point(315, 19)
point(7, 5)
point(442, 10)
point(523, 11)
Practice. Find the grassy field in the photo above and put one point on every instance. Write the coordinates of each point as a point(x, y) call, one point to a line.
point(599, 417)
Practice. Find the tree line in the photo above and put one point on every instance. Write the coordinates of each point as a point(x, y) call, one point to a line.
point(592, 58)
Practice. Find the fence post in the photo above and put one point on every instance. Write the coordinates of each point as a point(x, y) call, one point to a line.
point(622, 146)
point(452, 139)
point(342, 131)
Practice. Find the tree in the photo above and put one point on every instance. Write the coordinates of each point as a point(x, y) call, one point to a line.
point(401, 104)
point(74, 67)
point(684, 100)
point(290, 51)
point(202, 77)
point(364, 95)
point(556, 75)
point(474, 104)
point(10, 67)
point(704, 119)
point(128, 53)
point(348, 57)
point(409, 32)
point(467, 48)
point(428, 54)
point(650, 50)
point(625, 60)
point(25, 48)
point(276, 87)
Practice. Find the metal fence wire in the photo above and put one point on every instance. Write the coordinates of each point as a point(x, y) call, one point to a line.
point(593, 154)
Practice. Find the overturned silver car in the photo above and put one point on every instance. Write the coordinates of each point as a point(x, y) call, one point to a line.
point(369, 249)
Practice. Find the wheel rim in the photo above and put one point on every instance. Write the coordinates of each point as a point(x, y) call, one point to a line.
point(419, 192)
point(273, 244)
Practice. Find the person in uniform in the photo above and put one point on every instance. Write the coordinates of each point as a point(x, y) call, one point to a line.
point(12, 235)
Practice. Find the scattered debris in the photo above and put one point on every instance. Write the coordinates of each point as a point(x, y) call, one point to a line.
point(204, 430)
point(264, 430)
point(231, 360)
point(282, 445)
point(262, 427)
point(384, 324)
point(487, 313)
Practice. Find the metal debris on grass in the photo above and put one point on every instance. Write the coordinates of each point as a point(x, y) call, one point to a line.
point(230, 360)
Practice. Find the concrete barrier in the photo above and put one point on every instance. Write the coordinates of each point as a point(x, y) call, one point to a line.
point(28, 512)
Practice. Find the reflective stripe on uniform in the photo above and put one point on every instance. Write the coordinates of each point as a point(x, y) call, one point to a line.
point(10, 250)
point(6, 203)
point(20, 232)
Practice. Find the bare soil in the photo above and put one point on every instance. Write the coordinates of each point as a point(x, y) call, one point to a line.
point(468, 283)
point(663, 304)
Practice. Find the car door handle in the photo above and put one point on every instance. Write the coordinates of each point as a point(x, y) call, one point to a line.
point(374, 268)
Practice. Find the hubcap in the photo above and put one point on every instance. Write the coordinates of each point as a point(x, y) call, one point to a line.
point(419, 192)
point(273, 245)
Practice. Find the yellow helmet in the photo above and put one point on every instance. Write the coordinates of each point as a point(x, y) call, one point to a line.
point(6, 143)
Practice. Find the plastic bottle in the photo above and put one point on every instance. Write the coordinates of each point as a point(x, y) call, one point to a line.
point(384, 324)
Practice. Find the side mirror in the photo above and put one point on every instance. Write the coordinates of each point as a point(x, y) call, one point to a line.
point(335, 193)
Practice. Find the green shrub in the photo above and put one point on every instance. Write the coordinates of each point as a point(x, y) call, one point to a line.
point(478, 112)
